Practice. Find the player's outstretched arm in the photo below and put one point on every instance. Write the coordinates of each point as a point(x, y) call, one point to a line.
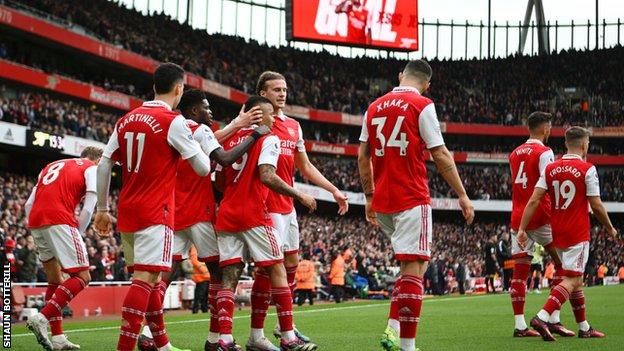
point(226, 158)
point(446, 167)
point(243, 120)
point(84, 218)
point(30, 202)
point(103, 221)
point(366, 178)
point(309, 171)
point(601, 214)
point(275, 183)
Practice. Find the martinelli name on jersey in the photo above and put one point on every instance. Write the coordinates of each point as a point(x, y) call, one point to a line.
point(147, 119)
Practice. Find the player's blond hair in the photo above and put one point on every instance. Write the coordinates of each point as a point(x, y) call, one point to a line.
point(265, 77)
point(575, 135)
point(92, 153)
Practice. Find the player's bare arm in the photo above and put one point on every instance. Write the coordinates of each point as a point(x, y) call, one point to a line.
point(244, 120)
point(343, 6)
point(103, 222)
point(226, 158)
point(446, 168)
point(529, 211)
point(309, 171)
point(275, 183)
point(366, 178)
point(601, 214)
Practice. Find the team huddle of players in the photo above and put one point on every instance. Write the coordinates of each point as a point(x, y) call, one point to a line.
point(167, 204)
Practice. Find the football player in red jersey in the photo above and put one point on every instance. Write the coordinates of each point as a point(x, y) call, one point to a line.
point(148, 142)
point(573, 186)
point(245, 229)
point(195, 202)
point(359, 31)
point(272, 85)
point(61, 187)
point(397, 129)
point(527, 162)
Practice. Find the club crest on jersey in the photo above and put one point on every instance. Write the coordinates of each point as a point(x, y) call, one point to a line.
point(291, 132)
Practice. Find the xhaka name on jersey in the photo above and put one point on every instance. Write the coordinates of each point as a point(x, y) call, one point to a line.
point(569, 169)
point(393, 103)
point(147, 119)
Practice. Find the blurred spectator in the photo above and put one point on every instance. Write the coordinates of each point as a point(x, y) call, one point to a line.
point(337, 276)
point(306, 278)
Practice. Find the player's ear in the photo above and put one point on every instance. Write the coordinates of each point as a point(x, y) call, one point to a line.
point(400, 76)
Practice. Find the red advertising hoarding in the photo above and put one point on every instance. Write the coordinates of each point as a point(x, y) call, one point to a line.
point(384, 24)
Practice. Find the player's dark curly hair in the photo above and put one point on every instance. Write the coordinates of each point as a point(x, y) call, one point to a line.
point(256, 100)
point(166, 77)
point(191, 98)
point(537, 118)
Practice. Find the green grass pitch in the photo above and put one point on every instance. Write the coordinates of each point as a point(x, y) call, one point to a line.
point(448, 323)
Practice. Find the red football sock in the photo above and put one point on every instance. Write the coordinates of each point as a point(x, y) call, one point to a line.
point(518, 286)
point(290, 276)
point(260, 299)
point(132, 314)
point(214, 288)
point(283, 304)
point(61, 297)
point(577, 300)
point(154, 314)
point(162, 286)
point(557, 279)
point(558, 296)
point(225, 306)
point(56, 322)
point(394, 301)
point(409, 301)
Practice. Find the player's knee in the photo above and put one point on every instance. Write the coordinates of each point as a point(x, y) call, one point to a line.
point(276, 272)
point(85, 276)
point(231, 273)
point(291, 259)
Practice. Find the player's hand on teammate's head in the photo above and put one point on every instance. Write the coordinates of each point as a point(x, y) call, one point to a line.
point(308, 201)
point(253, 116)
point(467, 209)
point(263, 130)
point(371, 216)
point(342, 200)
point(103, 224)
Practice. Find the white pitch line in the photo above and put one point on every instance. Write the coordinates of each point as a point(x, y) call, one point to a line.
point(269, 314)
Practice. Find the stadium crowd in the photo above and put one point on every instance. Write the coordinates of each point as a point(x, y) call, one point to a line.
point(480, 91)
point(366, 249)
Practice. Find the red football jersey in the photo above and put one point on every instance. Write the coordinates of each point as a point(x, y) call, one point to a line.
point(194, 198)
point(358, 19)
point(401, 125)
point(148, 142)
point(244, 199)
point(60, 189)
point(291, 141)
point(527, 162)
point(569, 182)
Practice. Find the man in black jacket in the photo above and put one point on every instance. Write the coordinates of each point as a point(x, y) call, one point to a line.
point(503, 254)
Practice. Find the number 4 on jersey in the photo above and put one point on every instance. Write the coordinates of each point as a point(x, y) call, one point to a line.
point(393, 141)
point(521, 177)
